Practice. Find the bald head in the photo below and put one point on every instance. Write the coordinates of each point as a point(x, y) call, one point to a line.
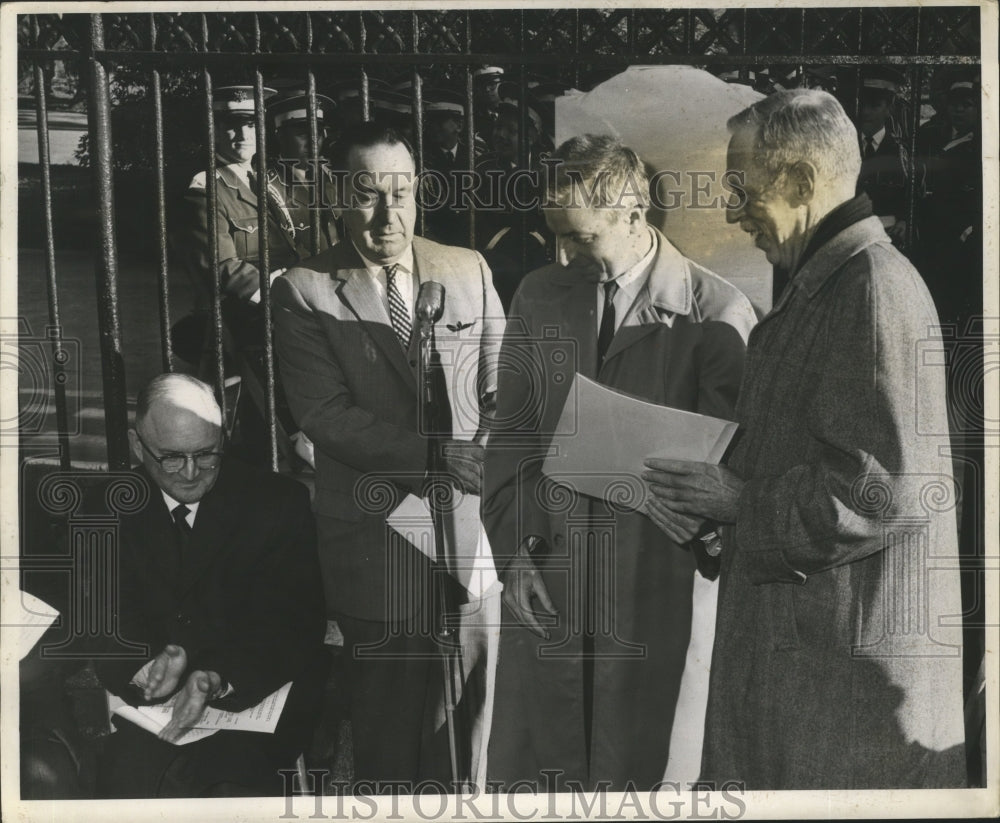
point(177, 415)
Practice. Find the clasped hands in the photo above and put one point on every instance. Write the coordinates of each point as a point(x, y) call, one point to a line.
point(683, 495)
point(164, 678)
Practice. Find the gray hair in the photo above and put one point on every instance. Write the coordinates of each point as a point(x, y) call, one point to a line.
point(802, 124)
point(185, 390)
point(597, 171)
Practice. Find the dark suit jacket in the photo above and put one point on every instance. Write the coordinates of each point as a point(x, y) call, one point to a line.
point(249, 606)
point(353, 391)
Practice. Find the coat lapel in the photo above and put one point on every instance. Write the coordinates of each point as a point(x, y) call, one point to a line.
point(666, 293)
point(356, 291)
point(214, 525)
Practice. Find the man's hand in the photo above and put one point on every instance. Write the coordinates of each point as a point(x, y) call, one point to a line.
point(165, 673)
point(897, 232)
point(698, 490)
point(463, 461)
point(190, 703)
point(521, 582)
point(680, 528)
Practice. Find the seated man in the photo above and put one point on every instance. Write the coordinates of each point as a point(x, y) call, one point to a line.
point(219, 578)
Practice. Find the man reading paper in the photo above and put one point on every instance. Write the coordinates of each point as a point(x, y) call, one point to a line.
point(219, 577)
point(834, 665)
point(597, 601)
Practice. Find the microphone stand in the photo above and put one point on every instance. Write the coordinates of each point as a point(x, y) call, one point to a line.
point(445, 627)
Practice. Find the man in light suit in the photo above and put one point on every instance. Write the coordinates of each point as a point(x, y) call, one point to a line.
point(347, 342)
point(218, 578)
point(593, 644)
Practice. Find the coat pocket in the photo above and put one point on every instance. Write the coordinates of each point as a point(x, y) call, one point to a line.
point(245, 236)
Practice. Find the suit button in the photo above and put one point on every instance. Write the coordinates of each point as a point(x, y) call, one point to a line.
point(413, 363)
point(559, 540)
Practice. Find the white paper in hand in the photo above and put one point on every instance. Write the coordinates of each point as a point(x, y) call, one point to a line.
point(604, 436)
point(471, 554)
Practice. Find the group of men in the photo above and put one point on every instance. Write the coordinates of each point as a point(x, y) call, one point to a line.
point(832, 667)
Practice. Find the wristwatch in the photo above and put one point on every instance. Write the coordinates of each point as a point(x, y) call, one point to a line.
point(712, 542)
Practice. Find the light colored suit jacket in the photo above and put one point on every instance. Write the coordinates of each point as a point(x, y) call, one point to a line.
point(354, 391)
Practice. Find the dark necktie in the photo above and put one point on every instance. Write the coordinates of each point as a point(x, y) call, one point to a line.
point(869, 146)
point(607, 329)
point(184, 532)
point(399, 314)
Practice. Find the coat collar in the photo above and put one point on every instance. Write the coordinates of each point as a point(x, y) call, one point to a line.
point(231, 176)
point(357, 291)
point(668, 285)
point(821, 266)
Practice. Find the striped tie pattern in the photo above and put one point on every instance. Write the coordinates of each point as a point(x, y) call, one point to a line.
point(399, 313)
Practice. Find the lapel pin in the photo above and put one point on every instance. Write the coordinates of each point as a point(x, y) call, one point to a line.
point(459, 326)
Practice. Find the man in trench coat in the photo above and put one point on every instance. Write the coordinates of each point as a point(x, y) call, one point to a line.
point(591, 691)
point(837, 660)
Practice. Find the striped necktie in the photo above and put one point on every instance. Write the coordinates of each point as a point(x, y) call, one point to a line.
point(399, 313)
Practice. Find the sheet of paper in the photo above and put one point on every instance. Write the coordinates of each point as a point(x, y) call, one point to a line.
point(603, 437)
point(27, 622)
point(260, 718)
point(473, 559)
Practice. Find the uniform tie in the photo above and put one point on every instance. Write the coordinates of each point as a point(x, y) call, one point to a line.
point(399, 314)
point(607, 329)
point(869, 146)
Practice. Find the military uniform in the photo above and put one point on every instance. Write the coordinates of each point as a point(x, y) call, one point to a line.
point(884, 179)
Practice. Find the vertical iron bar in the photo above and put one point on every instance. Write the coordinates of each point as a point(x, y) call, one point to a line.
point(317, 200)
point(161, 212)
point(576, 48)
point(523, 160)
point(418, 119)
point(264, 233)
point(52, 290)
point(112, 360)
point(362, 42)
point(470, 124)
point(211, 194)
point(916, 85)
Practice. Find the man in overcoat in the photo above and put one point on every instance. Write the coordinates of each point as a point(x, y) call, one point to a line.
point(837, 660)
point(597, 601)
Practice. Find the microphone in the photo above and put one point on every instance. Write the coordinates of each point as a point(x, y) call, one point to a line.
point(430, 302)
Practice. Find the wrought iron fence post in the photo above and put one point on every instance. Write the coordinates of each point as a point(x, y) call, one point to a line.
point(112, 361)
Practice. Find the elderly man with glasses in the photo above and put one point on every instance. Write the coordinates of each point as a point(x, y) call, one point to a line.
point(218, 577)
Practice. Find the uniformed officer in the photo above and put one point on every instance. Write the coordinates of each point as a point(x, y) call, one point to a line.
point(304, 185)
point(239, 237)
point(510, 232)
point(884, 159)
point(446, 155)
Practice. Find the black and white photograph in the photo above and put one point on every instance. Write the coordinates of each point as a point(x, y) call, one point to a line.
point(495, 411)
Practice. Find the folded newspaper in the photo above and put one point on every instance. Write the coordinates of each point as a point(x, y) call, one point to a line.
point(603, 437)
point(260, 718)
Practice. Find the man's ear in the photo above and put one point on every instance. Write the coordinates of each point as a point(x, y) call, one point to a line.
point(133, 441)
point(801, 183)
point(636, 219)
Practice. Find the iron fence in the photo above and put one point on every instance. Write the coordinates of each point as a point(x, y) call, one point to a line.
point(575, 46)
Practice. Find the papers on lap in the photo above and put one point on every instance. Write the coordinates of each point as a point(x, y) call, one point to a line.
point(260, 718)
point(603, 437)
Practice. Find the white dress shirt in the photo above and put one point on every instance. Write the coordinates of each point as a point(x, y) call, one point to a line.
point(630, 283)
point(406, 285)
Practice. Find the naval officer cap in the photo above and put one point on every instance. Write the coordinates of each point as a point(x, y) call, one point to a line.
point(237, 101)
point(294, 110)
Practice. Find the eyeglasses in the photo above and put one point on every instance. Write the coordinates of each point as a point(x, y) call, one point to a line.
point(173, 463)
